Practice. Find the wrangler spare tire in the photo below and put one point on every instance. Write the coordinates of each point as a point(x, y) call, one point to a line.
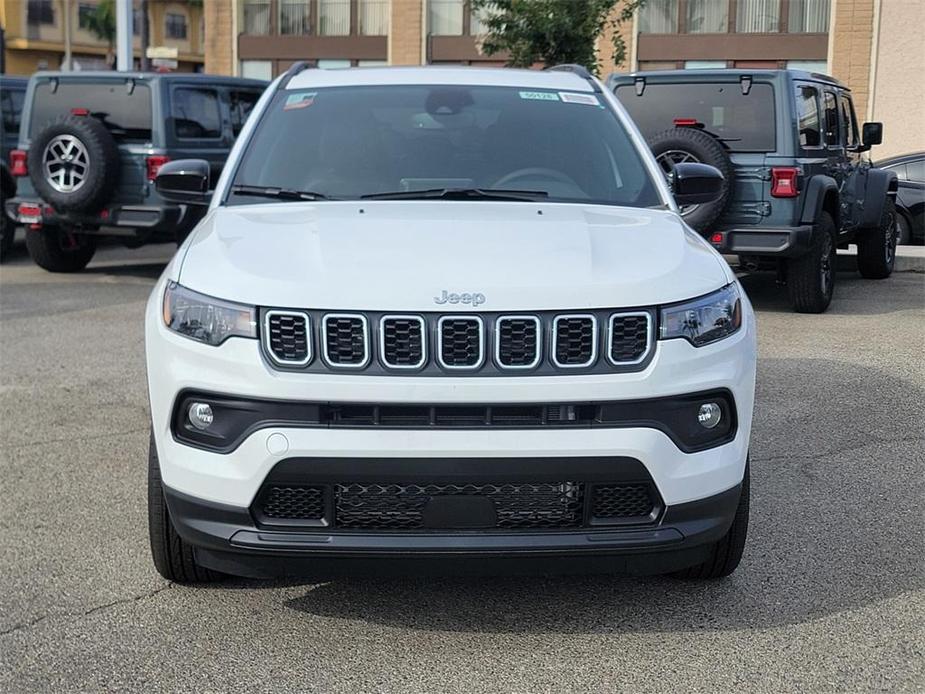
point(74, 164)
point(680, 145)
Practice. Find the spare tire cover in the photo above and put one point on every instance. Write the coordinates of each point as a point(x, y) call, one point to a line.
point(691, 145)
point(74, 164)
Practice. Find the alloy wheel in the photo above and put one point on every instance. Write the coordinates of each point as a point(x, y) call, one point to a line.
point(66, 163)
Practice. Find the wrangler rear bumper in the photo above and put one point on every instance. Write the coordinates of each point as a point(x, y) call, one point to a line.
point(785, 242)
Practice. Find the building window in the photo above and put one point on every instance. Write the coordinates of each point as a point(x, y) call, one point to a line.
point(374, 17)
point(808, 16)
point(372, 63)
point(704, 64)
point(85, 13)
point(295, 17)
point(758, 16)
point(334, 17)
point(659, 17)
point(445, 17)
point(175, 26)
point(808, 116)
point(332, 64)
point(136, 22)
point(819, 66)
point(257, 17)
point(257, 69)
point(40, 12)
point(707, 16)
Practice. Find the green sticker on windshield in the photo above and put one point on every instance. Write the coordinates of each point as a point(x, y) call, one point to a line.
point(540, 96)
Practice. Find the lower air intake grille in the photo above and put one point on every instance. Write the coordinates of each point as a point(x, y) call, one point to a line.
point(294, 503)
point(345, 340)
point(402, 341)
point(575, 340)
point(460, 342)
point(287, 337)
point(620, 501)
point(629, 337)
point(403, 506)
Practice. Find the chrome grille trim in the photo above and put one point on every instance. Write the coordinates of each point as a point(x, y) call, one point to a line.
point(324, 340)
point(420, 321)
point(439, 350)
point(539, 342)
point(650, 335)
point(308, 338)
point(555, 340)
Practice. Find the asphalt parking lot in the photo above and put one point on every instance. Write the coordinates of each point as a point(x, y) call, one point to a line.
point(830, 595)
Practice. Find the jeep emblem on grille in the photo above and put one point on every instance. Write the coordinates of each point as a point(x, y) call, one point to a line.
point(475, 298)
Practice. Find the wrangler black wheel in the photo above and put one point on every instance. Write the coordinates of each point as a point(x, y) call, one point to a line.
point(877, 247)
point(811, 277)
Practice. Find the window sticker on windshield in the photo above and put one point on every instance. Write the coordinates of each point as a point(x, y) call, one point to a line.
point(540, 96)
point(576, 98)
point(299, 100)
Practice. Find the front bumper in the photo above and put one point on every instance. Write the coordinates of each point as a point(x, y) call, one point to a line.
point(227, 539)
point(783, 242)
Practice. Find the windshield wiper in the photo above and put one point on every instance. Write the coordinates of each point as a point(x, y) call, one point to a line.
point(278, 193)
point(460, 194)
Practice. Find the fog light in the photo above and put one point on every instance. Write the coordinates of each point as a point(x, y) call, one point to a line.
point(710, 415)
point(200, 415)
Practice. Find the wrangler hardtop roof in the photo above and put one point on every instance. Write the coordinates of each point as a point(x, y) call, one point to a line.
point(725, 74)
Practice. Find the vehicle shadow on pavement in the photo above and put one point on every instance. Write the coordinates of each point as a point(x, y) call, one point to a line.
point(850, 296)
point(835, 525)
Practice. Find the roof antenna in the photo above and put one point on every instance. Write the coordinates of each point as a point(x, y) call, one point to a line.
point(745, 82)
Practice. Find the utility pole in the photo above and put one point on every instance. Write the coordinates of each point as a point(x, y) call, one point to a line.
point(68, 64)
point(124, 51)
point(145, 37)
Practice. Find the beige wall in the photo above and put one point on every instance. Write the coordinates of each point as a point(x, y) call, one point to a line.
point(898, 89)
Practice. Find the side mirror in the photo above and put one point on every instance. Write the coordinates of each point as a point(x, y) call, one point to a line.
point(872, 134)
point(695, 184)
point(185, 181)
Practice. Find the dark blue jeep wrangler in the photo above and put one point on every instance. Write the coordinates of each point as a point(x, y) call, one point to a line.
point(90, 146)
point(798, 182)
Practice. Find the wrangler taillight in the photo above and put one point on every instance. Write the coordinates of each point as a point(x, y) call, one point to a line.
point(784, 183)
point(154, 164)
point(18, 165)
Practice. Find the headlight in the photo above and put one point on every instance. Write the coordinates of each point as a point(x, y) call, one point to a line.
point(704, 320)
point(205, 319)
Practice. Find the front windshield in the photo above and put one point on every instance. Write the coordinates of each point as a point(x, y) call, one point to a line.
point(350, 142)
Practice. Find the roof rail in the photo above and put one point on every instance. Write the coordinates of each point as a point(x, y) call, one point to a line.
point(579, 70)
point(294, 70)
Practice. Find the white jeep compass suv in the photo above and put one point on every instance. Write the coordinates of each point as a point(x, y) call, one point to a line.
point(451, 315)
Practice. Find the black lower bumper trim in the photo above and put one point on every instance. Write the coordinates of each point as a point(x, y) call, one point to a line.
point(226, 539)
point(779, 241)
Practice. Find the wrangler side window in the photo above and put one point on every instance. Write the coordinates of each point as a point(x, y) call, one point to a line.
point(808, 116)
point(849, 126)
point(831, 120)
point(196, 113)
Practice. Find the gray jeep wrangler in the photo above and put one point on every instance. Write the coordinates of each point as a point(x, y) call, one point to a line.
point(91, 144)
point(798, 182)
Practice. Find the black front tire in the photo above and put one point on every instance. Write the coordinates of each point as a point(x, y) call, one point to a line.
point(811, 277)
point(726, 554)
point(60, 250)
point(877, 247)
point(173, 557)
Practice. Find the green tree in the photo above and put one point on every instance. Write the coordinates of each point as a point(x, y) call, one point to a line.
point(102, 24)
point(552, 32)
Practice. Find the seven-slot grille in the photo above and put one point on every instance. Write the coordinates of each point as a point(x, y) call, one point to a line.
point(288, 337)
point(629, 337)
point(459, 342)
point(517, 342)
point(402, 342)
point(346, 340)
point(574, 340)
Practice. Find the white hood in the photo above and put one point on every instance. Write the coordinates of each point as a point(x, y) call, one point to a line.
point(399, 255)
